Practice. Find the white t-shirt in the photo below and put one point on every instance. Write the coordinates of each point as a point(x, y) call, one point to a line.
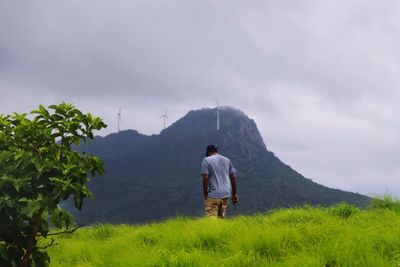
point(218, 169)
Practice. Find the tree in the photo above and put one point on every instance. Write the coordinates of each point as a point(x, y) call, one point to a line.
point(39, 168)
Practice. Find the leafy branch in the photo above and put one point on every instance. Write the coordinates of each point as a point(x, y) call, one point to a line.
point(40, 168)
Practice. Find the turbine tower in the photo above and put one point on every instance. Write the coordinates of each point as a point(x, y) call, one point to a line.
point(119, 119)
point(165, 117)
point(217, 115)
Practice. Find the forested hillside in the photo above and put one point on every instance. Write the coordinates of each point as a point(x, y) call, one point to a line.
point(155, 177)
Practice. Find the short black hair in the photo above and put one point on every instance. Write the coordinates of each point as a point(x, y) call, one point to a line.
point(211, 149)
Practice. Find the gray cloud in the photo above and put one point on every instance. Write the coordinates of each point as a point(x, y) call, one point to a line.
point(320, 79)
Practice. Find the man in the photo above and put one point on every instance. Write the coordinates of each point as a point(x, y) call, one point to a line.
point(219, 182)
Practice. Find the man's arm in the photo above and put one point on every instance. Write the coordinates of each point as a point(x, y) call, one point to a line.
point(235, 198)
point(205, 185)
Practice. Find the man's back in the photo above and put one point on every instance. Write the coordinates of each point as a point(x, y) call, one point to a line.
point(218, 168)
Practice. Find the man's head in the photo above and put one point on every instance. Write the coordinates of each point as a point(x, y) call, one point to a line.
point(211, 150)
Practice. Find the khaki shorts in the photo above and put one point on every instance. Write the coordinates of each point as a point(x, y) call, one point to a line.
point(216, 207)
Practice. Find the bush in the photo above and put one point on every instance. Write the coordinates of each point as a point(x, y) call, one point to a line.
point(385, 202)
point(343, 210)
point(40, 168)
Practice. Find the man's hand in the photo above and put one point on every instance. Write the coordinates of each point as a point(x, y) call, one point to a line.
point(235, 198)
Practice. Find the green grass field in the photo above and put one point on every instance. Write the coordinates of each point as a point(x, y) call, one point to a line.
point(341, 235)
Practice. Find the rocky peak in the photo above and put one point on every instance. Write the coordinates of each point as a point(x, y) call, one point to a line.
point(234, 124)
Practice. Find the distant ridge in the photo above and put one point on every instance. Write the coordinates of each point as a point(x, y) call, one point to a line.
point(154, 177)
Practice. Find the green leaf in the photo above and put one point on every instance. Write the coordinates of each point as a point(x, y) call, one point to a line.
point(78, 199)
point(18, 184)
point(44, 228)
point(3, 251)
point(40, 259)
point(62, 218)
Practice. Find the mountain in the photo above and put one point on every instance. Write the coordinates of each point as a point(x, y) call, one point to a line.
point(154, 177)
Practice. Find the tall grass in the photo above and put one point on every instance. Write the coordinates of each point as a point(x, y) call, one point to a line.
point(342, 235)
point(385, 202)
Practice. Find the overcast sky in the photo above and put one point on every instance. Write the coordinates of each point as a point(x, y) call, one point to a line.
point(320, 78)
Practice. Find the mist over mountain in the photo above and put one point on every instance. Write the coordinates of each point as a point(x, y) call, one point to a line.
point(154, 177)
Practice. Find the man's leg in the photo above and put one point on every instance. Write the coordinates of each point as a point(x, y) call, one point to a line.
point(211, 206)
point(223, 205)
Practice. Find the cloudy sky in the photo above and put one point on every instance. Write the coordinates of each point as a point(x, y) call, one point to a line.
point(320, 78)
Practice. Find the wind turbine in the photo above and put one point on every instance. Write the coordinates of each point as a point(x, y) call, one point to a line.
point(217, 115)
point(119, 119)
point(165, 117)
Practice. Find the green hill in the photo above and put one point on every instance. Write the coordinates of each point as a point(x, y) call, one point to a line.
point(341, 235)
point(149, 178)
